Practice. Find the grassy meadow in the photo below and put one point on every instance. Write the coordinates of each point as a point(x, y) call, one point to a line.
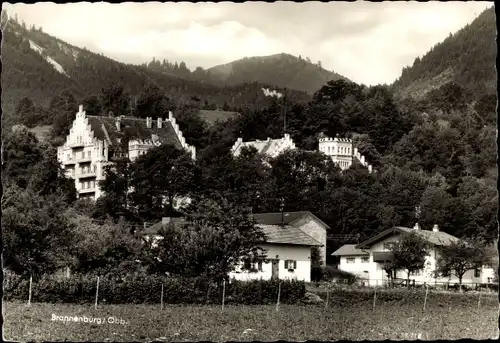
point(447, 317)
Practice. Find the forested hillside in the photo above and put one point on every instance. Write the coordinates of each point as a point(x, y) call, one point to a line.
point(466, 57)
point(39, 67)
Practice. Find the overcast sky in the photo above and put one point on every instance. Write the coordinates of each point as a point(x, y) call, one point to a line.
point(366, 42)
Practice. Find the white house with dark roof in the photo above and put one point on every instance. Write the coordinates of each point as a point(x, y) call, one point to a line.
point(303, 220)
point(94, 141)
point(288, 247)
point(269, 147)
point(288, 252)
point(367, 258)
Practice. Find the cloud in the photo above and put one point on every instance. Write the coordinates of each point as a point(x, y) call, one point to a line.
point(367, 42)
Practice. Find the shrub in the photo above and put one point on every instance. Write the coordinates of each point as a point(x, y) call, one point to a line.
point(332, 273)
point(147, 289)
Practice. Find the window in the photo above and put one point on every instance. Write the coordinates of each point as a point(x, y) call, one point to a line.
point(365, 259)
point(89, 154)
point(83, 185)
point(290, 264)
point(477, 272)
point(351, 259)
point(259, 266)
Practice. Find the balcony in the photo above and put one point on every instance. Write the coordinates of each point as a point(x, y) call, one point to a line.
point(383, 256)
point(76, 145)
point(87, 190)
point(86, 174)
point(84, 159)
point(69, 161)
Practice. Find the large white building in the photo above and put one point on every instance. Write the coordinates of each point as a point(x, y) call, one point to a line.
point(95, 141)
point(366, 259)
point(342, 151)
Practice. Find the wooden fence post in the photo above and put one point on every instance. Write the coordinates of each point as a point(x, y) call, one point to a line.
point(162, 296)
point(279, 293)
point(223, 293)
point(29, 295)
point(97, 293)
point(426, 291)
point(374, 298)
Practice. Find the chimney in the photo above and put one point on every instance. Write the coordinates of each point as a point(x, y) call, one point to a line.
point(435, 228)
point(416, 227)
point(165, 220)
point(159, 122)
point(149, 121)
point(118, 123)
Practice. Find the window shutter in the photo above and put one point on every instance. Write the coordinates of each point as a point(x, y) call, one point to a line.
point(294, 264)
point(286, 264)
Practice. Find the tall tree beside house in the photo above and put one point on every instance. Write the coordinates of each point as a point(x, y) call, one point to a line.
point(48, 176)
point(409, 254)
point(219, 237)
point(115, 187)
point(36, 238)
point(460, 257)
point(101, 247)
point(159, 176)
point(20, 153)
point(63, 109)
point(114, 99)
point(92, 106)
point(152, 102)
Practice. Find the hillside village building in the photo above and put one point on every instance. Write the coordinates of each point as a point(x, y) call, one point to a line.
point(289, 239)
point(366, 259)
point(341, 150)
point(95, 141)
point(269, 147)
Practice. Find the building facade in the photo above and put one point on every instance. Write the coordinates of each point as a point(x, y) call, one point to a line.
point(287, 249)
point(366, 260)
point(269, 147)
point(341, 151)
point(95, 141)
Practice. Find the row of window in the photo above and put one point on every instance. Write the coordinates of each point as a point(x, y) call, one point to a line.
point(340, 150)
point(344, 164)
point(289, 264)
point(82, 155)
point(353, 259)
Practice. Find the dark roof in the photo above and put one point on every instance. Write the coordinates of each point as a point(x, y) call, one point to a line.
point(275, 218)
point(287, 234)
point(436, 238)
point(134, 128)
point(276, 234)
point(349, 250)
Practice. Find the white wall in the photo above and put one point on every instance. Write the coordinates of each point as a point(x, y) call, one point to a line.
point(377, 275)
point(301, 254)
point(359, 268)
point(317, 231)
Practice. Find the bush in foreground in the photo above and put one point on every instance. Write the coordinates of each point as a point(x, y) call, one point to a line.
point(147, 289)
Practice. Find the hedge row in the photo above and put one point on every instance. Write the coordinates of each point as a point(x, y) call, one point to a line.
point(147, 289)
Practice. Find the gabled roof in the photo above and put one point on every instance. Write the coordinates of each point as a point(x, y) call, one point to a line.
point(264, 147)
point(134, 128)
point(275, 218)
point(275, 234)
point(436, 238)
point(349, 250)
point(287, 234)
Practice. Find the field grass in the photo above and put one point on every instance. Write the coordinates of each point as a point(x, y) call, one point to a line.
point(452, 319)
